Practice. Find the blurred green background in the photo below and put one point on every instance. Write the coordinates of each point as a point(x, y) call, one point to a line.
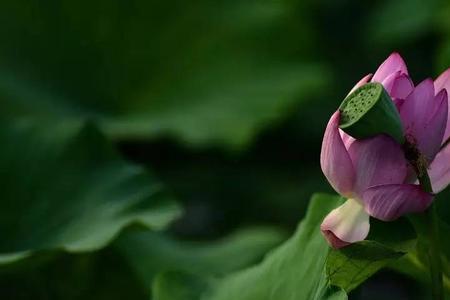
point(224, 102)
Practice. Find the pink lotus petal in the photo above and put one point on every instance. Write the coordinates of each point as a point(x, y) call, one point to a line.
point(424, 118)
point(391, 65)
point(349, 223)
point(360, 83)
point(389, 202)
point(439, 170)
point(401, 87)
point(378, 160)
point(443, 82)
point(335, 160)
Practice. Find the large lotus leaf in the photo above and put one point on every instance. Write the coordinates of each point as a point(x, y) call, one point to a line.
point(126, 270)
point(295, 270)
point(209, 72)
point(64, 186)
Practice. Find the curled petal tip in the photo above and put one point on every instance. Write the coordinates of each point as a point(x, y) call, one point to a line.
point(333, 240)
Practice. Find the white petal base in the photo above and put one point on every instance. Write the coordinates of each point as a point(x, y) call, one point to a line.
point(349, 223)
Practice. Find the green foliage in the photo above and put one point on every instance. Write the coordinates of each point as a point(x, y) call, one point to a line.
point(93, 193)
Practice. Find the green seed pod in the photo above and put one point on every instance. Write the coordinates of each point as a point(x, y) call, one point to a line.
point(369, 111)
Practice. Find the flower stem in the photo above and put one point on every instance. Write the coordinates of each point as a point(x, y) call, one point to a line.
point(431, 236)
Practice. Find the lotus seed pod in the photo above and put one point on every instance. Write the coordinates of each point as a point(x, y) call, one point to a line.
point(369, 111)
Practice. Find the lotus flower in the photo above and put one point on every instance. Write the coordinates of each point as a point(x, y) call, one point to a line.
point(374, 174)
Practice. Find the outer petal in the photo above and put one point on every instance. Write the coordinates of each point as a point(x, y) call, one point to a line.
point(378, 160)
point(439, 170)
point(389, 202)
point(424, 118)
point(363, 81)
point(392, 64)
point(348, 223)
point(335, 160)
point(443, 82)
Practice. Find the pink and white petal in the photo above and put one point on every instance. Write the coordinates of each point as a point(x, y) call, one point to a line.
point(417, 114)
point(360, 83)
point(439, 170)
point(349, 223)
point(378, 160)
point(392, 64)
point(335, 160)
point(389, 202)
point(443, 81)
